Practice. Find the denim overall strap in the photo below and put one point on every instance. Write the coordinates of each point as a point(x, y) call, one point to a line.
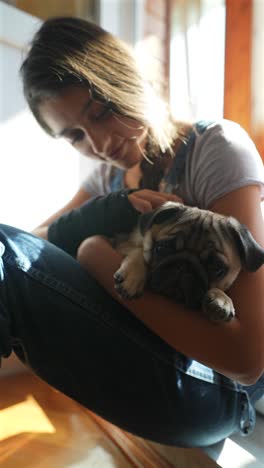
point(174, 176)
point(117, 180)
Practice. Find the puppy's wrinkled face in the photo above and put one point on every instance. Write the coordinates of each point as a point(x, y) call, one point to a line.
point(189, 251)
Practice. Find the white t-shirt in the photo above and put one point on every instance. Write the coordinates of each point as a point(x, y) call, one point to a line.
point(222, 159)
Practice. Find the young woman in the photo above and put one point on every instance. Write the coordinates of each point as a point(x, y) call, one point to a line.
point(92, 76)
point(148, 365)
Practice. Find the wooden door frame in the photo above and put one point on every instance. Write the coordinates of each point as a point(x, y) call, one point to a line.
point(238, 60)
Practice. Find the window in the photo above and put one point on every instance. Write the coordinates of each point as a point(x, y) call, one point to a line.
point(197, 58)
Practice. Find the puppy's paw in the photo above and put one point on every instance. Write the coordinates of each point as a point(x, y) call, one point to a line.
point(217, 306)
point(129, 282)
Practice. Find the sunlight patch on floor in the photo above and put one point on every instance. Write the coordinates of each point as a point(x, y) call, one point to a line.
point(98, 457)
point(234, 456)
point(26, 416)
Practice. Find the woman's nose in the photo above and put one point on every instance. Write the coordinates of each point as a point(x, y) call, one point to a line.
point(97, 140)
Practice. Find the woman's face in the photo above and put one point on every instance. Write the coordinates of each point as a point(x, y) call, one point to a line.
point(93, 129)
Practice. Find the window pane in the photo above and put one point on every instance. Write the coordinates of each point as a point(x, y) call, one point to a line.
point(197, 59)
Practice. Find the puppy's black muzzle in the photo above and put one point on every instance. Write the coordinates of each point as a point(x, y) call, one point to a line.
point(180, 277)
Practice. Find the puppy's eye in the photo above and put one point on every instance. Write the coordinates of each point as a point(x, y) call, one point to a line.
point(217, 269)
point(220, 272)
point(163, 248)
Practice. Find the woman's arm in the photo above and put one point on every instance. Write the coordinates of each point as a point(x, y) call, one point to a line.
point(142, 201)
point(236, 348)
point(79, 198)
point(106, 215)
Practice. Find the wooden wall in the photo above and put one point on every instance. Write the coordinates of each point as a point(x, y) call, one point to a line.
point(238, 102)
point(238, 57)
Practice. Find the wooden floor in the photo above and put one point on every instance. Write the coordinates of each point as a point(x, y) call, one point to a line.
point(41, 428)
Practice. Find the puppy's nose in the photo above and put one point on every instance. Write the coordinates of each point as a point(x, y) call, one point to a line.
point(182, 278)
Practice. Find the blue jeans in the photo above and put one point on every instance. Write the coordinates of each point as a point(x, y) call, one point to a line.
point(74, 336)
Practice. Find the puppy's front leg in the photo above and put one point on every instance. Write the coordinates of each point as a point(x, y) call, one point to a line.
point(217, 306)
point(130, 278)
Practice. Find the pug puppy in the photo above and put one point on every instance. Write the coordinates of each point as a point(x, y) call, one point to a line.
point(189, 255)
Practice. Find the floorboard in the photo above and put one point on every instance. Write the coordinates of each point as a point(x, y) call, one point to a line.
point(42, 428)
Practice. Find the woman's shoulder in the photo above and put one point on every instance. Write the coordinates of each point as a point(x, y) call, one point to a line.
point(224, 158)
point(227, 129)
point(228, 143)
point(223, 129)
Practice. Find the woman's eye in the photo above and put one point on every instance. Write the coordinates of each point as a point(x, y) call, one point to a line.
point(103, 113)
point(76, 136)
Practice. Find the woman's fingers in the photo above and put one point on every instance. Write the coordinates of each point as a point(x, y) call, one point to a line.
point(147, 200)
point(141, 205)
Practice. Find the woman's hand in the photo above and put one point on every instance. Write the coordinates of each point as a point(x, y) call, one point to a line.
point(147, 200)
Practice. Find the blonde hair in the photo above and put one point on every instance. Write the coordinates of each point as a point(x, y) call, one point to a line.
point(70, 51)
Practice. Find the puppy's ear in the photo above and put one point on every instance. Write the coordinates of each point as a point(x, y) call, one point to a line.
point(165, 212)
point(251, 253)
